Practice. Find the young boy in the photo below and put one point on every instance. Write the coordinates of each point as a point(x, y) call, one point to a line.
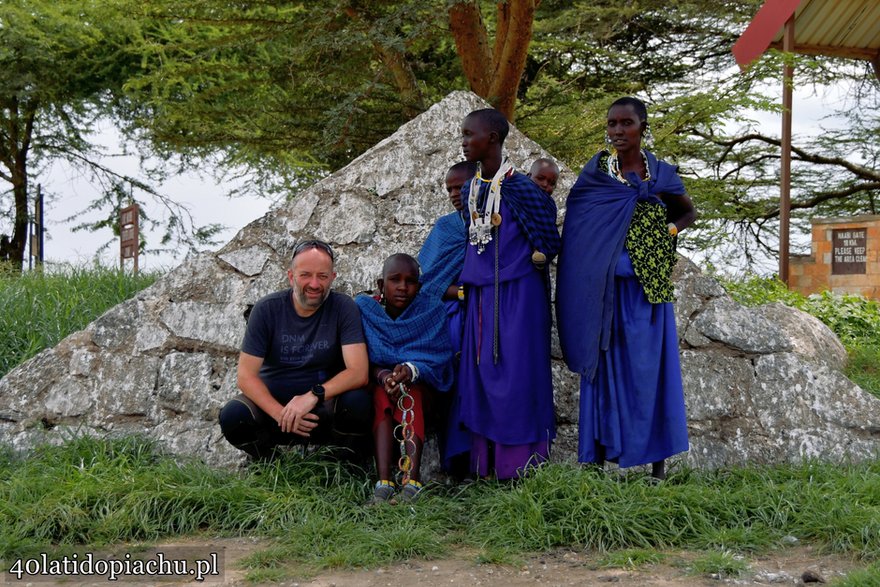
point(409, 351)
point(504, 380)
point(545, 173)
point(442, 254)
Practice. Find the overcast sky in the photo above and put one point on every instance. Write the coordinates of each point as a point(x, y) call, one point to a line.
point(205, 198)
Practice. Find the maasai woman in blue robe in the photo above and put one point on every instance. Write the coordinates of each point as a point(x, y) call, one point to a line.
point(442, 258)
point(614, 292)
point(505, 382)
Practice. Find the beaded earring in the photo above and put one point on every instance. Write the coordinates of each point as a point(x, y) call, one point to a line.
point(648, 137)
point(608, 142)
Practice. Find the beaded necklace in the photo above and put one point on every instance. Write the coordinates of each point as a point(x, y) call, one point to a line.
point(480, 230)
point(614, 167)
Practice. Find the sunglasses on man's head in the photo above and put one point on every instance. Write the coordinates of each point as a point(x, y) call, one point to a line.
point(313, 244)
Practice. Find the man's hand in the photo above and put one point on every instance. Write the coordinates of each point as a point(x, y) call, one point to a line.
point(295, 417)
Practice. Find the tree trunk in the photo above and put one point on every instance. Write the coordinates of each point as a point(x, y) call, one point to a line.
point(20, 128)
point(494, 76)
point(472, 45)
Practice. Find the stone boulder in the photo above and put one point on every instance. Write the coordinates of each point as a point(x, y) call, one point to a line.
point(761, 384)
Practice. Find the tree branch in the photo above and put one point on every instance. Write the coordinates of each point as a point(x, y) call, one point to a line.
point(858, 170)
point(510, 65)
point(824, 197)
point(404, 79)
point(471, 44)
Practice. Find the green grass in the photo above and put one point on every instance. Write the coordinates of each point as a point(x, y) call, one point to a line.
point(38, 310)
point(869, 577)
point(101, 492)
point(863, 367)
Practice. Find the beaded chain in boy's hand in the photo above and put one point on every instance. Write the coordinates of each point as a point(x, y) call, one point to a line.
point(405, 432)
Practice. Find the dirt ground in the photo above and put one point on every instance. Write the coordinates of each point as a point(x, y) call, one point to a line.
point(558, 568)
point(579, 568)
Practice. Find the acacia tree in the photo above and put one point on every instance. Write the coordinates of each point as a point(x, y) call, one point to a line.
point(55, 72)
point(494, 73)
point(281, 87)
point(62, 67)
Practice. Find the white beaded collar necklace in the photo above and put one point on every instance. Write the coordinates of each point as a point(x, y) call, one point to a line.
point(480, 230)
point(614, 167)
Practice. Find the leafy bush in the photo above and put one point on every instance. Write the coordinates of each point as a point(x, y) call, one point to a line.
point(754, 291)
point(853, 318)
point(37, 310)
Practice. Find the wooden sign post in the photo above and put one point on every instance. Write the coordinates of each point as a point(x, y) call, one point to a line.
point(129, 235)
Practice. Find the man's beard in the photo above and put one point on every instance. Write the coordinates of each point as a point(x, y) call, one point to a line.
point(304, 301)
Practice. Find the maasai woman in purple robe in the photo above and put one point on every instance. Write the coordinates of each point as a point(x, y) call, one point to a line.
point(505, 381)
point(614, 293)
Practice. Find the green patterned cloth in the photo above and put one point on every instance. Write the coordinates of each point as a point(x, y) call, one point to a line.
point(652, 251)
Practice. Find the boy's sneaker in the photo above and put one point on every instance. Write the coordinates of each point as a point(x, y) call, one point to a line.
point(411, 491)
point(383, 493)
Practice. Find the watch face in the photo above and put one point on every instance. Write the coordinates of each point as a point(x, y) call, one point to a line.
point(318, 390)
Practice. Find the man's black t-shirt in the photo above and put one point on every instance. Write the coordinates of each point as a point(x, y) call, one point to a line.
point(299, 352)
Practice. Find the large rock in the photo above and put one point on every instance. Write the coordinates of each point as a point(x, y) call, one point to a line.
point(761, 384)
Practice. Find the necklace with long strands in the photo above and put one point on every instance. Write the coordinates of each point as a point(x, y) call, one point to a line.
point(614, 167)
point(480, 230)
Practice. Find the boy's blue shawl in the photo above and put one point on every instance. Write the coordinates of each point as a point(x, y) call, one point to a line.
point(419, 336)
point(442, 256)
point(597, 216)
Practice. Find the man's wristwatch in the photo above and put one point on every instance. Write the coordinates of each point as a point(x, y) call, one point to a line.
point(318, 390)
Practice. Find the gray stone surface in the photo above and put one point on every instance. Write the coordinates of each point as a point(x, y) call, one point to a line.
point(761, 384)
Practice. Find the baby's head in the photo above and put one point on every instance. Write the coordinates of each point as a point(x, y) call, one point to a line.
point(399, 283)
point(545, 173)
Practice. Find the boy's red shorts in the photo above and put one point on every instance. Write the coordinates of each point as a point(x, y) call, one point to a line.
point(382, 406)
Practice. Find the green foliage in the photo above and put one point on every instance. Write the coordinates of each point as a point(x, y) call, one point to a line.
point(863, 367)
point(38, 309)
point(296, 87)
point(754, 291)
point(97, 492)
point(853, 318)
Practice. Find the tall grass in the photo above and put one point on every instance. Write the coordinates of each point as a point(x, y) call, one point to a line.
point(37, 310)
point(98, 492)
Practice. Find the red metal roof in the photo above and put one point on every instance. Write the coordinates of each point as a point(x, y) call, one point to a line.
point(841, 28)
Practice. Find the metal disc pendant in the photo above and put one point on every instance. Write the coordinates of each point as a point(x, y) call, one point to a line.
point(496, 219)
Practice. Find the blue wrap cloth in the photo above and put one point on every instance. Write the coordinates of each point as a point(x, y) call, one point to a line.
point(419, 336)
point(598, 213)
point(442, 256)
